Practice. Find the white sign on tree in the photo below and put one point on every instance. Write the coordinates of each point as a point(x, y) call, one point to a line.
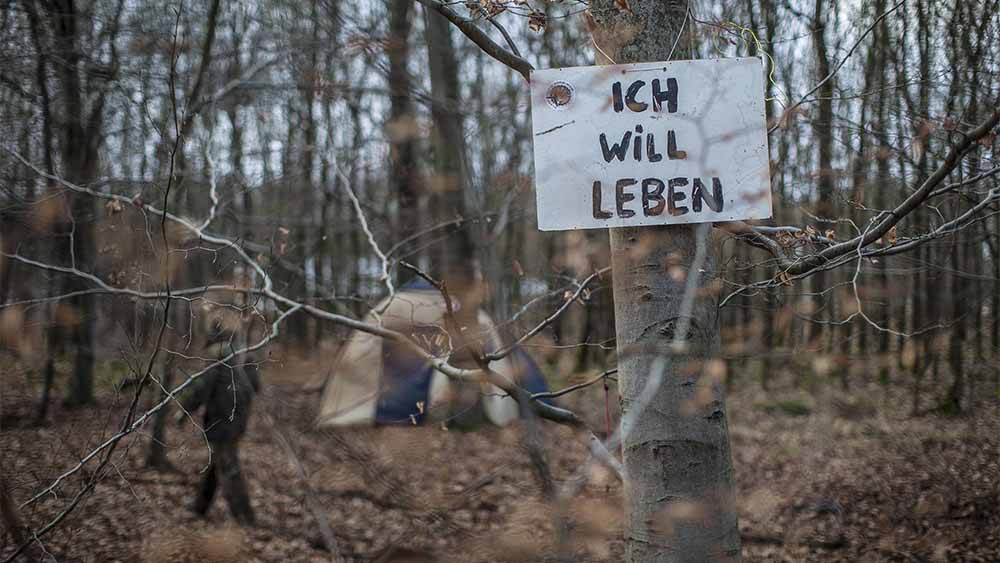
point(650, 144)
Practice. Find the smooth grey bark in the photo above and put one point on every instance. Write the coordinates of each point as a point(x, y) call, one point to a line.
point(678, 484)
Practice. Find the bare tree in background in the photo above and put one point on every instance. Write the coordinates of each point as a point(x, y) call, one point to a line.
point(297, 163)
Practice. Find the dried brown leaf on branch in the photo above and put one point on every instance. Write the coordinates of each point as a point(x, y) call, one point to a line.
point(623, 5)
point(890, 237)
point(113, 207)
point(486, 8)
point(537, 20)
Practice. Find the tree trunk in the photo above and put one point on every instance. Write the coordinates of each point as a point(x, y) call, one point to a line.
point(353, 281)
point(304, 249)
point(54, 333)
point(955, 403)
point(823, 131)
point(401, 128)
point(451, 180)
point(49, 378)
point(156, 455)
point(678, 466)
point(449, 185)
point(79, 146)
point(11, 520)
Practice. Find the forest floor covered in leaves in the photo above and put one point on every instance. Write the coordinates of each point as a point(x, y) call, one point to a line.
point(825, 475)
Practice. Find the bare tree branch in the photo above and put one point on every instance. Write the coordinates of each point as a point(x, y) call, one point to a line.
point(480, 38)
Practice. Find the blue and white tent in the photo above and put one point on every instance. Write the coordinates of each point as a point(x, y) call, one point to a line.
point(376, 381)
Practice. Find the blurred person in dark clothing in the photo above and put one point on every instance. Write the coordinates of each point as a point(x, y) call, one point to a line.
point(226, 392)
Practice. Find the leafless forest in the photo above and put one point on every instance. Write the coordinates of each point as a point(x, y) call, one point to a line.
point(204, 205)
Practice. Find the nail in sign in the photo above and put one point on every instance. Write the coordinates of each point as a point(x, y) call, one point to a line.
point(650, 144)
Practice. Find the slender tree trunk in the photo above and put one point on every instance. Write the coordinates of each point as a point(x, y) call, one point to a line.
point(678, 466)
point(82, 387)
point(78, 147)
point(401, 128)
point(583, 352)
point(770, 15)
point(48, 380)
point(10, 519)
point(954, 403)
point(324, 243)
point(861, 177)
point(353, 282)
point(451, 181)
point(156, 455)
point(882, 201)
point(823, 131)
point(54, 333)
point(993, 247)
point(304, 249)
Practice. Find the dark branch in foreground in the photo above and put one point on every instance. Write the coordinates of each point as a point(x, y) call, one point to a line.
point(797, 267)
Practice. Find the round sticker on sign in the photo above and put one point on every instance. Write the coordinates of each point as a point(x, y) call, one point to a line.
point(560, 94)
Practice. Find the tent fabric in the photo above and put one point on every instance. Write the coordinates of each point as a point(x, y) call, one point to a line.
point(375, 381)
